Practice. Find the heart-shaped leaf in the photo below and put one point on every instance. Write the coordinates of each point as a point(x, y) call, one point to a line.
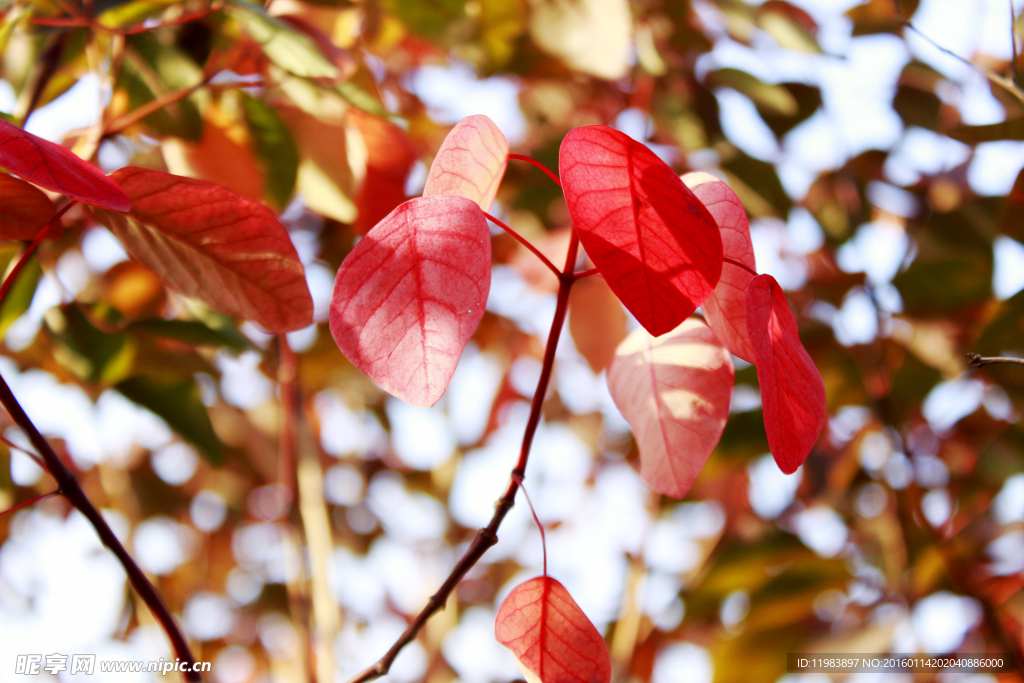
point(726, 308)
point(47, 164)
point(550, 636)
point(411, 293)
point(24, 209)
point(470, 163)
point(674, 391)
point(792, 393)
point(207, 242)
point(656, 245)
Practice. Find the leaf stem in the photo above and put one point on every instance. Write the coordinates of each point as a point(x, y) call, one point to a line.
point(14, 446)
point(977, 361)
point(9, 280)
point(30, 501)
point(136, 115)
point(585, 273)
point(539, 165)
point(488, 536)
point(526, 243)
point(68, 486)
point(533, 511)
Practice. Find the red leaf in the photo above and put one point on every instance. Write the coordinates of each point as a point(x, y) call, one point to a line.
point(674, 391)
point(654, 242)
point(470, 163)
point(792, 393)
point(207, 242)
point(550, 636)
point(47, 164)
point(390, 157)
point(726, 308)
point(411, 293)
point(24, 209)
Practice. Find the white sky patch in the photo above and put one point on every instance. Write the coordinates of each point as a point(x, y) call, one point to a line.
point(1008, 276)
point(683, 663)
point(937, 507)
point(952, 400)
point(771, 251)
point(856, 322)
point(407, 516)
point(344, 431)
point(1008, 505)
point(744, 126)
point(471, 393)
point(822, 530)
point(770, 491)
point(978, 106)
point(422, 437)
point(876, 249)
point(995, 166)
point(858, 91)
point(454, 92)
point(77, 108)
point(102, 250)
point(942, 619)
point(241, 382)
point(161, 544)
point(920, 150)
point(1007, 553)
point(472, 651)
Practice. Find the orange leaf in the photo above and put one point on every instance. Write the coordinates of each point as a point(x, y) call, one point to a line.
point(24, 209)
point(674, 391)
point(597, 321)
point(209, 243)
point(470, 163)
point(550, 636)
point(390, 156)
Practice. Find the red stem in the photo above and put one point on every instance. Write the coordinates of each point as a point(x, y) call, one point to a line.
point(533, 511)
point(526, 243)
point(30, 501)
point(11, 444)
point(585, 273)
point(488, 536)
point(539, 165)
point(28, 252)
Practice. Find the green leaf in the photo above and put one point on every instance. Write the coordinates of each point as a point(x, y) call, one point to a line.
point(431, 19)
point(361, 99)
point(19, 296)
point(89, 353)
point(808, 100)
point(275, 147)
point(177, 402)
point(283, 45)
point(191, 332)
point(773, 98)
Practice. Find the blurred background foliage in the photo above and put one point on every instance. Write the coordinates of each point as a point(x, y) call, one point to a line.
point(295, 516)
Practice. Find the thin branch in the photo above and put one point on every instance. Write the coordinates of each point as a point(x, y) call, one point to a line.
point(585, 273)
point(977, 361)
point(539, 165)
point(9, 280)
point(136, 115)
point(1002, 81)
point(68, 485)
point(488, 536)
point(526, 243)
point(21, 449)
point(30, 501)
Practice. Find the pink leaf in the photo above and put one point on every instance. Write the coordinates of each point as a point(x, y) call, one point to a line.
point(656, 245)
point(470, 163)
point(792, 393)
point(674, 391)
point(726, 308)
point(411, 293)
point(207, 242)
point(51, 166)
point(550, 636)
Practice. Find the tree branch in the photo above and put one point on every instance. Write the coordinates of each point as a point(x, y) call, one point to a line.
point(488, 536)
point(977, 361)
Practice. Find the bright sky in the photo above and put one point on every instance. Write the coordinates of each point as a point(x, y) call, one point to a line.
point(54, 576)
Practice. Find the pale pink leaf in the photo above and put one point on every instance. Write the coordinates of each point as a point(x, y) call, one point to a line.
point(792, 392)
point(655, 244)
point(470, 163)
point(411, 293)
point(674, 391)
point(726, 308)
point(207, 242)
point(550, 636)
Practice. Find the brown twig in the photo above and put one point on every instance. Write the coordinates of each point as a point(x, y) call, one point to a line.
point(136, 115)
point(1002, 81)
point(68, 486)
point(977, 361)
point(488, 536)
